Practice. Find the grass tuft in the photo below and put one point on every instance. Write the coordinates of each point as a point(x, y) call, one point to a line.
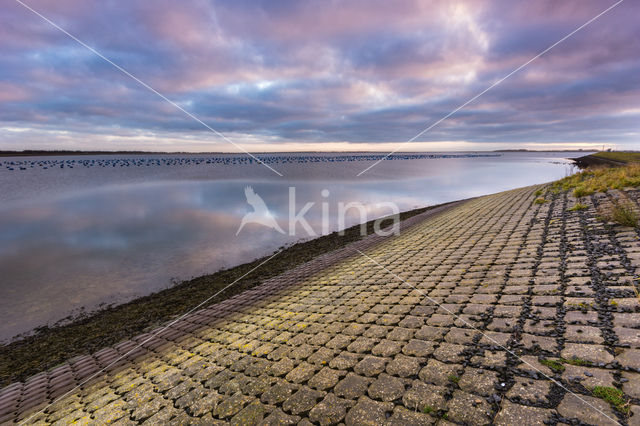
point(428, 409)
point(577, 361)
point(555, 365)
point(620, 212)
point(613, 396)
point(581, 191)
point(578, 206)
point(454, 378)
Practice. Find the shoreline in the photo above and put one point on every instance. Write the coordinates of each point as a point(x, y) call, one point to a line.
point(46, 346)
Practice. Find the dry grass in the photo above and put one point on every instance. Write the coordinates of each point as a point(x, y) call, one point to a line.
point(599, 180)
point(577, 207)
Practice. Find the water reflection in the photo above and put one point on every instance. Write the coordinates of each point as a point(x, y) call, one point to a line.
point(110, 240)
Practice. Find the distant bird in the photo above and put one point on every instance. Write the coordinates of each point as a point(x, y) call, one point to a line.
point(260, 214)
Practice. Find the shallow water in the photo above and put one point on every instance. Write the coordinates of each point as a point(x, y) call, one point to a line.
point(82, 236)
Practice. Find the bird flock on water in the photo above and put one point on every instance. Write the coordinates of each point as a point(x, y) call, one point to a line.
point(67, 163)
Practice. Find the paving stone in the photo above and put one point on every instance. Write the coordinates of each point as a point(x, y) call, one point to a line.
point(279, 417)
point(403, 417)
point(361, 344)
point(579, 317)
point(303, 351)
point(626, 320)
point(148, 408)
point(540, 312)
point(231, 406)
point(389, 319)
point(449, 352)
point(352, 386)
point(441, 320)
point(282, 367)
point(422, 396)
point(419, 348)
point(279, 392)
point(163, 416)
point(592, 353)
point(386, 388)
point(539, 327)
point(111, 412)
point(529, 391)
point(490, 359)
point(461, 336)
point(587, 376)
point(628, 336)
point(438, 373)
point(370, 366)
point(302, 401)
point(368, 412)
point(495, 339)
point(478, 381)
point(401, 334)
point(301, 373)
point(587, 409)
point(377, 331)
point(344, 361)
point(258, 385)
point(355, 329)
point(386, 348)
point(321, 357)
point(234, 385)
point(403, 366)
point(330, 410)
point(629, 358)
point(411, 322)
point(515, 414)
point(470, 409)
point(632, 386)
point(635, 415)
point(548, 344)
point(250, 415)
point(339, 342)
point(503, 324)
point(325, 379)
point(431, 333)
point(583, 334)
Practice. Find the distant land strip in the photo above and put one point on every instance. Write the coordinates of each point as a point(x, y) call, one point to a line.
point(56, 152)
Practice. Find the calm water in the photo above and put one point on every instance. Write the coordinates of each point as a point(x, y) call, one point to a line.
point(105, 232)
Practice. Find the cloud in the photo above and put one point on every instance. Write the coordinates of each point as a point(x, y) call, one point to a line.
point(291, 72)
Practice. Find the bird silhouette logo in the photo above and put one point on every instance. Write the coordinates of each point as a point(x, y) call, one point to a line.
point(260, 214)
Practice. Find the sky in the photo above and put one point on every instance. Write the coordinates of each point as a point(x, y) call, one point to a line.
point(294, 75)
